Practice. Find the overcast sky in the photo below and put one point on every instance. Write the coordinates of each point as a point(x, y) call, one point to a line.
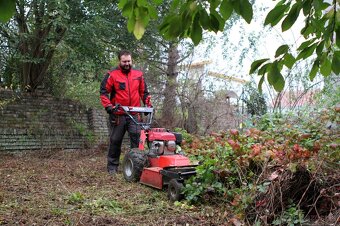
point(225, 56)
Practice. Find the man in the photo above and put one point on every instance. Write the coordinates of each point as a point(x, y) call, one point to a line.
point(125, 86)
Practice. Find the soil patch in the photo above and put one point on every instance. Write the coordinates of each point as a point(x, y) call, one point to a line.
point(73, 188)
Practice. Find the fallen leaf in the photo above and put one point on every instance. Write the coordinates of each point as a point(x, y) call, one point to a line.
point(235, 221)
point(273, 176)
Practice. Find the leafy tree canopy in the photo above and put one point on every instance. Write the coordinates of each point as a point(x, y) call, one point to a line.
point(7, 8)
point(48, 43)
point(188, 19)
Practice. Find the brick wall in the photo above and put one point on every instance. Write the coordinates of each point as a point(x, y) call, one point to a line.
point(41, 121)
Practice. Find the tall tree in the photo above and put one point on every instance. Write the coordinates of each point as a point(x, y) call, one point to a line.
point(254, 100)
point(163, 74)
point(169, 105)
point(163, 61)
point(190, 18)
point(50, 42)
point(36, 30)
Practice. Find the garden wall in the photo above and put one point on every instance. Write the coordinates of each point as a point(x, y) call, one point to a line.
point(40, 121)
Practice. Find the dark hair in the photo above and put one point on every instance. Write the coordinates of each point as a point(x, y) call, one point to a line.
point(123, 53)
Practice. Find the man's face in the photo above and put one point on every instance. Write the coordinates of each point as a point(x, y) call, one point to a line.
point(125, 62)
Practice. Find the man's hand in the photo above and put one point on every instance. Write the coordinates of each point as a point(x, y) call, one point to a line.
point(148, 101)
point(109, 110)
point(114, 120)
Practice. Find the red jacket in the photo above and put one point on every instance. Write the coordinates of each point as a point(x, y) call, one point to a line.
point(124, 89)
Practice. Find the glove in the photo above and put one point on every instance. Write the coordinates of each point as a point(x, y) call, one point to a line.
point(148, 101)
point(109, 110)
point(114, 120)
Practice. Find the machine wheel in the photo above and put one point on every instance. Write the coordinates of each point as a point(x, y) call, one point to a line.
point(174, 190)
point(133, 164)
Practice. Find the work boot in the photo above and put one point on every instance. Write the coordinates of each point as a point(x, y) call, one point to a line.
point(113, 170)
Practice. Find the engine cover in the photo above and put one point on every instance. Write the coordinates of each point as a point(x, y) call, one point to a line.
point(161, 136)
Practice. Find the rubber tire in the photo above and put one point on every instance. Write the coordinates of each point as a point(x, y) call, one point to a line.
point(133, 164)
point(175, 189)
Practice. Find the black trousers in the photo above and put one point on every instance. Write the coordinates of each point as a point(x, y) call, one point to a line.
point(119, 124)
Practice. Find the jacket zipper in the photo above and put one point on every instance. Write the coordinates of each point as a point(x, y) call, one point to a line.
point(128, 83)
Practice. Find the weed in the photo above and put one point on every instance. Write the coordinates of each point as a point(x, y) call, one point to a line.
point(68, 222)
point(187, 137)
point(291, 216)
point(58, 212)
point(84, 131)
point(256, 172)
point(104, 204)
point(75, 198)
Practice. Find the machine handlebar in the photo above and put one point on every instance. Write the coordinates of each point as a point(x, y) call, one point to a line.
point(148, 111)
point(137, 109)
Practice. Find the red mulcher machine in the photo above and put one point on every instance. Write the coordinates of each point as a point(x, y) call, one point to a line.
point(156, 162)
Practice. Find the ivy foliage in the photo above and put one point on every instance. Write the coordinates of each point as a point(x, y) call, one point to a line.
point(278, 170)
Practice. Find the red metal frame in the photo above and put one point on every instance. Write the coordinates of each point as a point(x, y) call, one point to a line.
point(159, 173)
point(151, 175)
point(169, 161)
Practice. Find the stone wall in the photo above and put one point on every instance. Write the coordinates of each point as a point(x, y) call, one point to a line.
point(40, 121)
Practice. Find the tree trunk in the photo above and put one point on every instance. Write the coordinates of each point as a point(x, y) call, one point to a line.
point(191, 124)
point(169, 105)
